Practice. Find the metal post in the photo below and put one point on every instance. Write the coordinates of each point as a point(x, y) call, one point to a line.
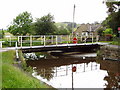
point(52, 39)
point(73, 20)
point(30, 40)
point(84, 67)
point(17, 56)
point(72, 79)
point(56, 71)
point(67, 39)
point(56, 41)
point(21, 41)
point(66, 70)
point(18, 39)
point(91, 65)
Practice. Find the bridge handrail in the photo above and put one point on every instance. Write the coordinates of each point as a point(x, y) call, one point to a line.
point(45, 39)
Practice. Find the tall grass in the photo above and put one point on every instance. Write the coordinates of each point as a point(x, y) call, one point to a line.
point(13, 77)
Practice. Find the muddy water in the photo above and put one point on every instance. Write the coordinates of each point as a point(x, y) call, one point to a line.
point(56, 70)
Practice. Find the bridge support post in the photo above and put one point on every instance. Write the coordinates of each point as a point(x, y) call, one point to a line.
point(67, 39)
point(17, 56)
point(21, 42)
point(52, 39)
point(56, 41)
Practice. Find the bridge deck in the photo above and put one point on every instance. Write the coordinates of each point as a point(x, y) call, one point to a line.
point(63, 47)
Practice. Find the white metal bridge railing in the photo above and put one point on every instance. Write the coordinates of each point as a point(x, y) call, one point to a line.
point(43, 40)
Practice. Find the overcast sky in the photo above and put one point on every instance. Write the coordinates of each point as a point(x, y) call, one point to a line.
point(86, 11)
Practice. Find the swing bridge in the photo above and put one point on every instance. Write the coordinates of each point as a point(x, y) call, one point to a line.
point(36, 43)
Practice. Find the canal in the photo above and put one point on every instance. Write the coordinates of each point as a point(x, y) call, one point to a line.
point(56, 69)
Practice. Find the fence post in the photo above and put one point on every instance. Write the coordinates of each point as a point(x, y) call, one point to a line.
point(44, 41)
point(67, 39)
point(17, 56)
point(52, 39)
point(56, 41)
point(21, 42)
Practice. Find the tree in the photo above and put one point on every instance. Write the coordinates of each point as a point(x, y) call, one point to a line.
point(100, 31)
point(2, 33)
point(45, 25)
point(108, 31)
point(21, 24)
point(113, 19)
point(62, 30)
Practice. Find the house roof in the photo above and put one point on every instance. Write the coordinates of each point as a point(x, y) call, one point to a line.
point(87, 27)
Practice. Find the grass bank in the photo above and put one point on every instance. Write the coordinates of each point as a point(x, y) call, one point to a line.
point(13, 77)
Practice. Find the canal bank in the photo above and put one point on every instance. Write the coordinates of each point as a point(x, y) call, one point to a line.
point(14, 77)
point(109, 52)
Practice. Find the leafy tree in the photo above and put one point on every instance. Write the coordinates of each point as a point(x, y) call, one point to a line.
point(45, 25)
point(108, 31)
point(2, 33)
point(113, 19)
point(100, 31)
point(62, 31)
point(21, 24)
point(112, 6)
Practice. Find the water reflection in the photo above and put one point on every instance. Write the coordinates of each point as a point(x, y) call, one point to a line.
point(90, 73)
point(46, 73)
point(113, 70)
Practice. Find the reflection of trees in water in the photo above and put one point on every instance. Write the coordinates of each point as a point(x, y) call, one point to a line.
point(37, 55)
point(113, 69)
point(113, 80)
point(46, 73)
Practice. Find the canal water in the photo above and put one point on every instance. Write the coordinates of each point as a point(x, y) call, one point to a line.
point(56, 69)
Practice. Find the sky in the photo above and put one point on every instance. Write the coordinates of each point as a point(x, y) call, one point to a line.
point(86, 11)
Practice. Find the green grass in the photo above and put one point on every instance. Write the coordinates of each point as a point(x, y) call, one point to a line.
point(115, 43)
point(13, 77)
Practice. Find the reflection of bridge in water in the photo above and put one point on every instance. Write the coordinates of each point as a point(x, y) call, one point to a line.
point(63, 66)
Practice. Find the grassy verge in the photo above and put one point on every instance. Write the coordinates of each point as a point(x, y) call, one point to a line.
point(13, 77)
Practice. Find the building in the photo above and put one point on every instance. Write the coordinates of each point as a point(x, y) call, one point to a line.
point(87, 31)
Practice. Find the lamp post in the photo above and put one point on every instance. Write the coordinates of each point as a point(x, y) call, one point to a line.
point(73, 19)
